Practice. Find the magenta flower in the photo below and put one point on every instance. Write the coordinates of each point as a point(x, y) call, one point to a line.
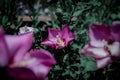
point(39, 61)
point(13, 46)
point(59, 39)
point(104, 43)
point(14, 55)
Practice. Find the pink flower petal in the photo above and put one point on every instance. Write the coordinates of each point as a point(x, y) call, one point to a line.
point(101, 63)
point(59, 39)
point(44, 56)
point(19, 73)
point(19, 45)
point(95, 52)
point(97, 33)
point(4, 53)
point(44, 62)
point(39, 61)
point(68, 36)
point(104, 43)
point(53, 33)
point(115, 49)
point(115, 30)
point(51, 40)
point(51, 43)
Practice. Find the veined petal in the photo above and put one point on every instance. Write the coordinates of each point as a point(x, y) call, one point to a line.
point(96, 52)
point(19, 45)
point(52, 33)
point(52, 37)
point(101, 63)
point(68, 36)
point(115, 30)
point(97, 33)
point(51, 42)
point(4, 53)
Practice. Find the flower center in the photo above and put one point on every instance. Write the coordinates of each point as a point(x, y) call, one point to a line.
point(27, 60)
point(112, 47)
point(22, 63)
point(60, 41)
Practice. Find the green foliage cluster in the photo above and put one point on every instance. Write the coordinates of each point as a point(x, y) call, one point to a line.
point(71, 65)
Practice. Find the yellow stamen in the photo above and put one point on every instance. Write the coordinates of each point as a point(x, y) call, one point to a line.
point(60, 42)
point(23, 63)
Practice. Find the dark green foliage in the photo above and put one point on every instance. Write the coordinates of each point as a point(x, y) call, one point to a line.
point(71, 65)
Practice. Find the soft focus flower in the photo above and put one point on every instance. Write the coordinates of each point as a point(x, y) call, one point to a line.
point(13, 46)
point(104, 43)
point(59, 39)
point(14, 55)
point(39, 61)
point(25, 29)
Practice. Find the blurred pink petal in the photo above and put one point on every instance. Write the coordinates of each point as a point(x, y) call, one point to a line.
point(13, 45)
point(21, 73)
point(115, 49)
point(19, 45)
point(115, 30)
point(97, 33)
point(103, 62)
point(96, 52)
point(15, 57)
point(4, 52)
point(59, 39)
point(104, 43)
point(39, 61)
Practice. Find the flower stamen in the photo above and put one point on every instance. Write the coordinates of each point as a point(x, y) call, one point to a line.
point(60, 41)
point(112, 48)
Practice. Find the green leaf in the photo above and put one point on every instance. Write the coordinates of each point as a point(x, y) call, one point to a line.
point(90, 66)
point(77, 13)
point(86, 76)
point(57, 67)
point(88, 63)
point(4, 20)
point(65, 57)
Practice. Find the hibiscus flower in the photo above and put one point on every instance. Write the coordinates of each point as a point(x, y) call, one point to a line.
point(104, 43)
point(15, 57)
point(59, 38)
